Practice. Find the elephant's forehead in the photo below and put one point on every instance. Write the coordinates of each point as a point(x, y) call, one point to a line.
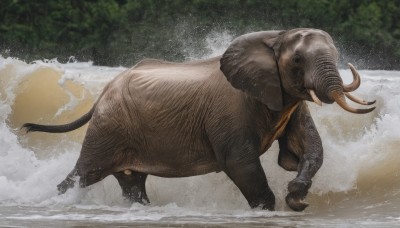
point(309, 40)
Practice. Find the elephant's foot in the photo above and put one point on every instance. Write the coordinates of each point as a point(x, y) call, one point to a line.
point(298, 190)
point(266, 201)
point(269, 206)
point(136, 195)
point(295, 203)
point(68, 183)
point(65, 185)
point(133, 185)
point(142, 200)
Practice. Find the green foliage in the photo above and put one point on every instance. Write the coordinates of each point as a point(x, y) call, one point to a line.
point(120, 32)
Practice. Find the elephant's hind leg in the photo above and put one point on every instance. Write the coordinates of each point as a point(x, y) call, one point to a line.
point(88, 178)
point(84, 180)
point(68, 182)
point(102, 151)
point(133, 185)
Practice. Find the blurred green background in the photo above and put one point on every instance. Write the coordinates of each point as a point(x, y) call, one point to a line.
point(121, 32)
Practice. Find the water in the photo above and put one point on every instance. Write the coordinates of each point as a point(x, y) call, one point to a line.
point(358, 184)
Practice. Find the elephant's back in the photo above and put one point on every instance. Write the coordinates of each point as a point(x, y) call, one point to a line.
point(159, 72)
point(166, 90)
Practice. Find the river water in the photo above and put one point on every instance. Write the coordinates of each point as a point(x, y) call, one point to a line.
point(357, 186)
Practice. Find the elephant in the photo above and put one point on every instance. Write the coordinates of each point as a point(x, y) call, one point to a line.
point(219, 114)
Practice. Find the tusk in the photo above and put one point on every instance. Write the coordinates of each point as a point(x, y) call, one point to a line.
point(339, 98)
point(356, 80)
point(358, 100)
point(314, 97)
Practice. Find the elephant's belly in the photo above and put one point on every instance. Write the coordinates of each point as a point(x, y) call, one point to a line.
point(166, 170)
point(175, 158)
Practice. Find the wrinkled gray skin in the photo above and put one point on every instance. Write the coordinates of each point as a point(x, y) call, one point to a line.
point(220, 114)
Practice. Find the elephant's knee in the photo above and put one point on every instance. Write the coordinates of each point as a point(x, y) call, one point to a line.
point(237, 168)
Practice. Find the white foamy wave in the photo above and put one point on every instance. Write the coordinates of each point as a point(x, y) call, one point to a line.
point(356, 144)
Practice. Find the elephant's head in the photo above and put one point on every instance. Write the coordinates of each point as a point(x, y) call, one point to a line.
point(300, 62)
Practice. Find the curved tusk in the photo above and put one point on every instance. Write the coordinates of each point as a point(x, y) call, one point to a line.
point(358, 100)
point(314, 97)
point(339, 98)
point(356, 80)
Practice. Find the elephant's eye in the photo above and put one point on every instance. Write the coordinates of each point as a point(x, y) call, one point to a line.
point(296, 59)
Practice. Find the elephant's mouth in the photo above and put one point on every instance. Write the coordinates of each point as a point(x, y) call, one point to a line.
point(339, 96)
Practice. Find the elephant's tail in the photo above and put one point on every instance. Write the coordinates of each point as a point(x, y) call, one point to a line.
point(30, 127)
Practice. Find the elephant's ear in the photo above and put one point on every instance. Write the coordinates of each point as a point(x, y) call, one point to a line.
point(250, 65)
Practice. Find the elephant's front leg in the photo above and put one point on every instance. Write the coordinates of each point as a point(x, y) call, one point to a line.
point(300, 141)
point(298, 187)
point(242, 164)
point(250, 178)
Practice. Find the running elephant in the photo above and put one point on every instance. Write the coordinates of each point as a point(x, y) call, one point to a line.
point(220, 114)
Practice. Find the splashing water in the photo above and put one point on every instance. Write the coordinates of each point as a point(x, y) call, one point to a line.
point(359, 178)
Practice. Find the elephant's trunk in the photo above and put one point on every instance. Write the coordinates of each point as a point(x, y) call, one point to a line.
point(330, 88)
point(326, 79)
